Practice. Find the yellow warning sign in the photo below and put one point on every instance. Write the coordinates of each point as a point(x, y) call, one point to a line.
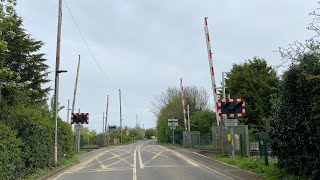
point(229, 137)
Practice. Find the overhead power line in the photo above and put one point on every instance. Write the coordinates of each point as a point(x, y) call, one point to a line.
point(84, 40)
point(89, 49)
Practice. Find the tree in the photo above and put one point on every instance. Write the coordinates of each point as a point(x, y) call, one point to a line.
point(197, 98)
point(257, 83)
point(294, 134)
point(6, 11)
point(150, 132)
point(20, 54)
point(202, 121)
point(168, 105)
point(135, 133)
point(88, 135)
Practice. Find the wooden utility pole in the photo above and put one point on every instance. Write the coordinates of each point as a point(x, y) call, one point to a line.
point(68, 111)
point(103, 120)
point(56, 83)
point(183, 106)
point(120, 117)
point(106, 126)
point(75, 86)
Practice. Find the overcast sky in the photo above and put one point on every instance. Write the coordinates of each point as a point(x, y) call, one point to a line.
point(145, 46)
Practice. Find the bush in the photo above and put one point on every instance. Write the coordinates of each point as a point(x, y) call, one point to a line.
point(36, 130)
point(64, 139)
point(11, 157)
point(295, 132)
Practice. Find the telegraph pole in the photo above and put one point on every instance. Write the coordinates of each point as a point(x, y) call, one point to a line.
point(103, 120)
point(68, 111)
point(106, 127)
point(183, 106)
point(137, 121)
point(120, 117)
point(188, 109)
point(56, 83)
point(75, 86)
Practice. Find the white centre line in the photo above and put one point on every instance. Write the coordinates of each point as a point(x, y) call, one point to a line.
point(140, 160)
point(134, 171)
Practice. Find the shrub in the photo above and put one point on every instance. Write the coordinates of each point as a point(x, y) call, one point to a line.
point(11, 158)
point(295, 131)
point(64, 139)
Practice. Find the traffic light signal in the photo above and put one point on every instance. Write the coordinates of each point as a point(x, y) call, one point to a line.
point(231, 107)
point(80, 118)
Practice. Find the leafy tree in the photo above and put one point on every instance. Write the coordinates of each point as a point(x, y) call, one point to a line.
point(6, 11)
point(294, 133)
point(168, 105)
point(21, 55)
point(135, 133)
point(149, 133)
point(88, 135)
point(197, 98)
point(59, 108)
point(257, 83)
point(202, 121)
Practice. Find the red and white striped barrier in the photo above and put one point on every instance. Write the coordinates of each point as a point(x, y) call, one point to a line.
point(213, 80)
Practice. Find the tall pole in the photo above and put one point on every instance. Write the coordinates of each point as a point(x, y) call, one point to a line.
point(223, 92)
point(143, 131)
point(183, 106)
point(68, 111)
point(188, 109)
point(103, 120)
point(172, 132)
point(106, 127)
point(213, 81)
point(136, 120)
point(232, 137)
point(75, 86)
point(120, 117)
point(56, 83)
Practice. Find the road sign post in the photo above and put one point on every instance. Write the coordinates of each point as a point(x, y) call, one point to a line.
point(79, 119)
point(173, 123)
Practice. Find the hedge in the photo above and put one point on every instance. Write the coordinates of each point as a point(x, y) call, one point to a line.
point(11, 157)
point(295, 132)
point(35, 133)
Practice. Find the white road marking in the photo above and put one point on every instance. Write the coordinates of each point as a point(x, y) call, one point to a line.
point(79, 166)
point(124, 159)
point(134, 171)
point(198, 164)
point(140, 160)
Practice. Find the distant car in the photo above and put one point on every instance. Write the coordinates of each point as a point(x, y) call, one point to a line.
point(153, 137)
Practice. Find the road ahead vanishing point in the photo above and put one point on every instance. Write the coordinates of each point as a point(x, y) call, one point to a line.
point(148, 161)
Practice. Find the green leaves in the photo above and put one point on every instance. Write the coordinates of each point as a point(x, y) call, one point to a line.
point(202, 121)
point(294, 133)
point(257, 82)
point(11, 157)
point(169, 105)
point(149, 133)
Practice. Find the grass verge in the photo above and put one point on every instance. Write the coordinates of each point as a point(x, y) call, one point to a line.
point(168, 144)
point(256, 165)
point(62, 163)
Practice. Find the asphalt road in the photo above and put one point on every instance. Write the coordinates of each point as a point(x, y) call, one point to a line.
point(141, 161)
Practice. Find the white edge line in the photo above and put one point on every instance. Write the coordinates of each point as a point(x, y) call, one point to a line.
point(226, 163)
point(200, 164)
